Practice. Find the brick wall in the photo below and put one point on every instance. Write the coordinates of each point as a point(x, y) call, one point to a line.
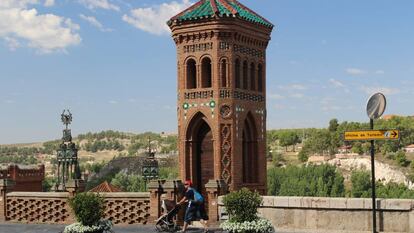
point(53, 208)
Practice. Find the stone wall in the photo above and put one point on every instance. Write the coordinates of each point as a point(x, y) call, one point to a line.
point(53, 208)
point(311, 214)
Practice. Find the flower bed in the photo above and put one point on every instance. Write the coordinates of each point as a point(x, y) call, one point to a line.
point(260, 225)
point(103, 225)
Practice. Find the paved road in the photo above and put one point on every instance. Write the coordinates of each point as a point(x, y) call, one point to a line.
point(46, 228)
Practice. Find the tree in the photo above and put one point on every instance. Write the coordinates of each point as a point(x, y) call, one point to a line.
point(333, 125)
point(288, 138)
point(361, 184)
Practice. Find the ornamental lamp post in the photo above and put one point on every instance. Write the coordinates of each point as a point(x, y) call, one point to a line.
point(150, 167)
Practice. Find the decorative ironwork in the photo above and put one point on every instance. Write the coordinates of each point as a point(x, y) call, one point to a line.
point(67, 156)
point(150, 168)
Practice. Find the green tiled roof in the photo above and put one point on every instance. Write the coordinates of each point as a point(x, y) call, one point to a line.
point(220, 8)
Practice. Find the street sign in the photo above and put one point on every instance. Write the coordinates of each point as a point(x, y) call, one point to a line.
point(372, 135)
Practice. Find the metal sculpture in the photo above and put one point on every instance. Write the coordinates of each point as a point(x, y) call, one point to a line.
point(67, 156)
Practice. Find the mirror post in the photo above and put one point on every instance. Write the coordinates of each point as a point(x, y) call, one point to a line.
point(374, 215)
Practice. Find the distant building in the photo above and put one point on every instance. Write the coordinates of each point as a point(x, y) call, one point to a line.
point(106, 187)
point(26, 178)
point(409, 149)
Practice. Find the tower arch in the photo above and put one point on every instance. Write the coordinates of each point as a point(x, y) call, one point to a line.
point(199, 151)
point(250, 150)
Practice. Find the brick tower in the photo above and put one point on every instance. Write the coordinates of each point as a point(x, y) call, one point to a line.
point(221, 53)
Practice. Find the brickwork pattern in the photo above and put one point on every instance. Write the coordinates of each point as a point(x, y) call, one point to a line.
point(39, 208)
point(127, 211)
point(53, 208)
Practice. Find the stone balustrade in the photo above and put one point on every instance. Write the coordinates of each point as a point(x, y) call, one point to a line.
point(313, 214)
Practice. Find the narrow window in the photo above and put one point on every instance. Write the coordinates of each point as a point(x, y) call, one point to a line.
point(245, 75)
point(252, 77)
point(224, 73)
point(191, 74)
point(237, 72)
point(206, 73)
point(260, 78)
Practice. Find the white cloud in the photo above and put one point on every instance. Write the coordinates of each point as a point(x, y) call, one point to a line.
point(94, 22)
point(380, 72)
point(113, 102)
point(336, 83)
point(276, 96)
point(297, 96)
point(20, 26)
point(355, 71)
point(153, 19)
point(9, 101)
point(383, 90)
point(102, 4)
point(12, 43)
point(49, 3)
point(293, 87)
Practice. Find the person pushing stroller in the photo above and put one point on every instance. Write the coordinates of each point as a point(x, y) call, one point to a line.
point(195, 210)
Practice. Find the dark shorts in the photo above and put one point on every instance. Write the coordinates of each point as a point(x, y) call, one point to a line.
point(195, 212)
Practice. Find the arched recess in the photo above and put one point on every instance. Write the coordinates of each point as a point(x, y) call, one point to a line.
point(223, 73)
point(250, 150)
point(245, 75)
point(199, 152)
point(260, 78)
point(206, 75)
point(237, 76)
point(191, 74)
point(252, 76)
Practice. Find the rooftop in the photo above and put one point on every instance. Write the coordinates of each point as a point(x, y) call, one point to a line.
point(204, 9)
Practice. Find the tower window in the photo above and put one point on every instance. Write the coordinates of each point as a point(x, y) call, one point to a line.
point(191, 74)
point(260, 78)
point(245, 75)
point(237, 73)
point(206, 73)
point(224, 81)
point(252, 77)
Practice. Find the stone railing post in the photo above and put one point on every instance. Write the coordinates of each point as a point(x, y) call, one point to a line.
point(74, 187)
point(155, 189)
point(6, 186)
point(215, 188)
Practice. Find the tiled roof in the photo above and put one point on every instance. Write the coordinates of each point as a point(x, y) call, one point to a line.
point(220, 8)
point(105, 187)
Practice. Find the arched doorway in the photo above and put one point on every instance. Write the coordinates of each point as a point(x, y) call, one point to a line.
point(200, 153)
point(250, 152)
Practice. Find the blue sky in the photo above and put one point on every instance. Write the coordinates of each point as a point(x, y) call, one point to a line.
point(112, 63)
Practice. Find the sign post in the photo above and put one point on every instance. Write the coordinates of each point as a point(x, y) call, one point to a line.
point(375, 108)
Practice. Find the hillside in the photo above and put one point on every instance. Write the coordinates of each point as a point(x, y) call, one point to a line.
point(285, 147)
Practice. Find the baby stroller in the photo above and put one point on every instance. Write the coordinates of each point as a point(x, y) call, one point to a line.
point(166, 222)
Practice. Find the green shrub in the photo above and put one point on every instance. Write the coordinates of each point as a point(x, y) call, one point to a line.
point(311, 181)
point(401, 159)
point(361, 184)
point(88, 208)
point(242, 205)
